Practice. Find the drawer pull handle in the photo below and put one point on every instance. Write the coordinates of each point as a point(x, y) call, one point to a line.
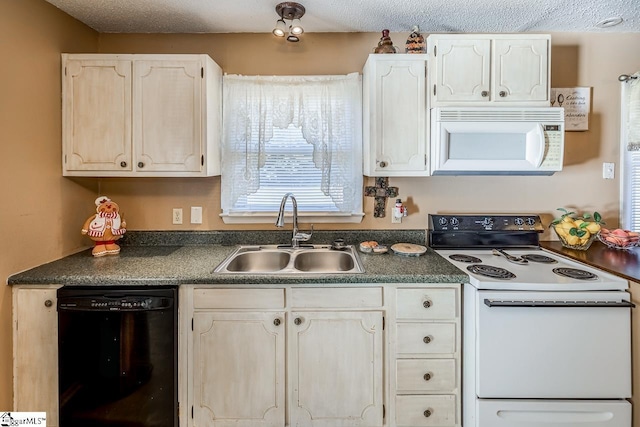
point(276, 321)
point(48, 303)
point(427, 304)
point(428, 413)
point(427, 376)
point(427, 339)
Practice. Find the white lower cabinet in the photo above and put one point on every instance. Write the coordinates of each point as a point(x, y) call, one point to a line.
point(425, 356)
point(35, 350)
point(314, 356)
point(336, 369)
point(238, 368)
point(255, 361)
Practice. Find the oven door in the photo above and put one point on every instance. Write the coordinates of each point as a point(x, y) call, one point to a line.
point(565, 345)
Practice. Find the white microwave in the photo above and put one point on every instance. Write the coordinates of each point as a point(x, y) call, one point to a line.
point(497, 141)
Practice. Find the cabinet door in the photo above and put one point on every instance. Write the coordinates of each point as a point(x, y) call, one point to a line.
point(463, 69)
point(167, 124)
point(238, 369)
point(398, 118)
point(35, 352)
point(521, 70)
point(336, 369)
point(97, 115)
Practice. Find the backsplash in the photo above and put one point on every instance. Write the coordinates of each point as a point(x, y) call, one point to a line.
point(192, 238)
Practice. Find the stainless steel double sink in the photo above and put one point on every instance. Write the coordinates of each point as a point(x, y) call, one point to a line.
point(274, 259)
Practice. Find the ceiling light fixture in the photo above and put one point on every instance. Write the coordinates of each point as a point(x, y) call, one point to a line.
point(290, 11)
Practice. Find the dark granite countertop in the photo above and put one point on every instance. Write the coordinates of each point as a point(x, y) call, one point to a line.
point(175, 258)
point(623, 263)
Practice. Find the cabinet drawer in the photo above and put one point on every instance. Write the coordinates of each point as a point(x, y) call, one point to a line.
point(429, 338)
point(427, 304)
point(425, 411)
point(336, 297)
point(426, 375)
point(238, 298)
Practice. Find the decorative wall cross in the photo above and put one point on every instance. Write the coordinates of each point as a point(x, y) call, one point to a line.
point(380, 193)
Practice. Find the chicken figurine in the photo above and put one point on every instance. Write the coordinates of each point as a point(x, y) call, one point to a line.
point(105, 227)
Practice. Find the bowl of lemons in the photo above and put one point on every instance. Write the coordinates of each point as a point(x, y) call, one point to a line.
point(577, 231)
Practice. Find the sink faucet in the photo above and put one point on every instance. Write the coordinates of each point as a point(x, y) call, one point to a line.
point(297, 236)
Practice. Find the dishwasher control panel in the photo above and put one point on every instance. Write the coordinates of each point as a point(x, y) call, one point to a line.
point(112, 301)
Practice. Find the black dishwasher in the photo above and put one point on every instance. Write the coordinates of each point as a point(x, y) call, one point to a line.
point(117, 356)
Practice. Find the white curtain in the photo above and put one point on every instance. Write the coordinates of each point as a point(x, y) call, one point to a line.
point(633, 111)
point(326, 108)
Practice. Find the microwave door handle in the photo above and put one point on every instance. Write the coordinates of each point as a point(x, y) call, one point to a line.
point(541, 146)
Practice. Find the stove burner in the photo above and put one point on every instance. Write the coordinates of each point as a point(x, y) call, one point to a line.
point(464, 258)
point(539, 258)
point(575, 273)
point(491, 271)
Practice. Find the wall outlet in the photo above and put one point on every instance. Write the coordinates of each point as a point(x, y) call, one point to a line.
point(608, 170)
point(396, 219)
point(196, 214)
point(177, 215)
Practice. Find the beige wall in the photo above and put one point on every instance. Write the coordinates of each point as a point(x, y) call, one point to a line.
point(592, 59)
point(39, 219)
point(42, 212)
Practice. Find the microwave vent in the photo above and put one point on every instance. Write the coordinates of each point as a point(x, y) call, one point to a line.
point(542, 115)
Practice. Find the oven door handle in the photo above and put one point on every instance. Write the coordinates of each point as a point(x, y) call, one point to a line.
point(508, 303)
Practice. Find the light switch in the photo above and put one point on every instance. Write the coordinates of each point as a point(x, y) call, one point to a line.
point(196, 214)
point(608, 170)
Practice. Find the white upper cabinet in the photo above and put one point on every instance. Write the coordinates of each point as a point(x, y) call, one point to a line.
point(476, 69)
point(141, 115)
point(395, 115)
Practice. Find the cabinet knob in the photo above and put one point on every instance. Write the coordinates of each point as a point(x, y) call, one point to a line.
point(427, 376)
point(48, 303)
point(427, 339)
point(140, 164)
point(427, 304)
point(277, 321)
point(484, 93)
point(427, 413)
point(123, 164)
point(383, 164)
point(502, 93)
point(297, 321)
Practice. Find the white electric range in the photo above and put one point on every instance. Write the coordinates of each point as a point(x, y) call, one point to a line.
point(546, 339)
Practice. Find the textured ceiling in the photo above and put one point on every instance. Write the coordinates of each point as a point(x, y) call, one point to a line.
point(432, 16)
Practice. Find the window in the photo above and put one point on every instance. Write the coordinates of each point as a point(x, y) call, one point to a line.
point(630, 149)
point(299, 134)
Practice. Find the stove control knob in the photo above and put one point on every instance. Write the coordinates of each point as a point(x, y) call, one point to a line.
point(442, 221)
point(518, 221)
point(455, 221)
point(530, 221)
point(487, 222)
